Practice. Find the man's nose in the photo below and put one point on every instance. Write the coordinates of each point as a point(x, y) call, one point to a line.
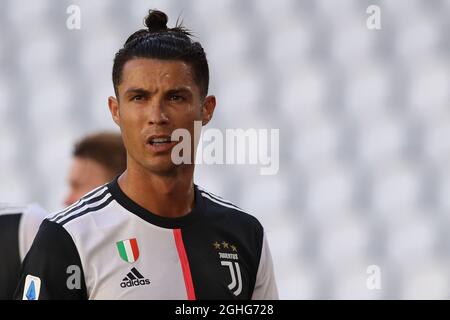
point(157, 113)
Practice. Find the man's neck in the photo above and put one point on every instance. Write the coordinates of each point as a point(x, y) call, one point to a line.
point(166, 196)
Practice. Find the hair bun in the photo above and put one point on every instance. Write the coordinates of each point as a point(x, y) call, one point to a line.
point(156, 21)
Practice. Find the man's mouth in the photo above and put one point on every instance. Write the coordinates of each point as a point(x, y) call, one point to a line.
point(160, 143)
point(154, 141)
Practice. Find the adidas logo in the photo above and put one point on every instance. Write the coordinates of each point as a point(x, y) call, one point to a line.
point(134, 279)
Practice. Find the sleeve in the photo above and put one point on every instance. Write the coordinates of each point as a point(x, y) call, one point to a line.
point(10, 260)
point(52, 268)
point(265, 285)
point(32, 218)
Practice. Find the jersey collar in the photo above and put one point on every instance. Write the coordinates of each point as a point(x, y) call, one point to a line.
point(171, 223)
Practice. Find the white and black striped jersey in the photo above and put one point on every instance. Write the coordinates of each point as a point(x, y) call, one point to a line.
point(18, 227)
point(106, 246)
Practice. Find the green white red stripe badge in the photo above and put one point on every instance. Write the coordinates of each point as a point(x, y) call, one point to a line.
point(128, 250)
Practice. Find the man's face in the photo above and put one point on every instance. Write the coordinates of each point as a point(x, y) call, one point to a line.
point(84, 175)
point(156, 97)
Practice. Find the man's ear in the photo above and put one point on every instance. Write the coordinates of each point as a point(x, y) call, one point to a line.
point(209, 104)
point(114, 109)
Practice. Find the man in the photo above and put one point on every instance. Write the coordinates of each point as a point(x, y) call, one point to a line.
point(18, 227)
point(152, 233)
point(97, 159)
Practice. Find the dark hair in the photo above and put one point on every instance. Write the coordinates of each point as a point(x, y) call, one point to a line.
point(106, 148)
point(160, 42)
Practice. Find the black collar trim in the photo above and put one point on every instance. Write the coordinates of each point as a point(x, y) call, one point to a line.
point(164, 222)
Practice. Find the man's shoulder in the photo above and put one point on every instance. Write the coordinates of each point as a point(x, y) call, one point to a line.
point(8, 209)
point(217, 206)
point(93, 202)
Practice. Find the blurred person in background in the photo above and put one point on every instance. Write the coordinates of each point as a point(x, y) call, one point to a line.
point(152, 233)
point(18, 227)
point(97, 159)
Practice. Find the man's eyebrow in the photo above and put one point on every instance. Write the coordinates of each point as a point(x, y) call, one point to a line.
point(180, 90)
point(134, 90)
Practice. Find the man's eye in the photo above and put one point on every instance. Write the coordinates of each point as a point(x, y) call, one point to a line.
point(176, 98)
point(137, 97)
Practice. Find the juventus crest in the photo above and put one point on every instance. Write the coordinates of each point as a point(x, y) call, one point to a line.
point(230, 260)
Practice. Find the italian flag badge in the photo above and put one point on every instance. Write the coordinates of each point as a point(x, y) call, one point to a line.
point(128, 250)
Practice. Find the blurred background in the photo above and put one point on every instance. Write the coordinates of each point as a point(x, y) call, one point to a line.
point(364, 119)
